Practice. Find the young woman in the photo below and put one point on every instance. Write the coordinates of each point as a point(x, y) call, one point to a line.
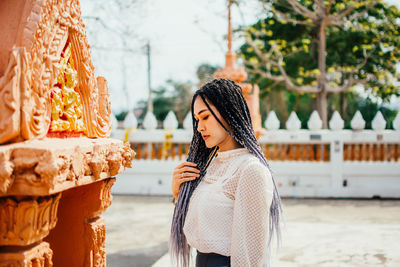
point(227, 204)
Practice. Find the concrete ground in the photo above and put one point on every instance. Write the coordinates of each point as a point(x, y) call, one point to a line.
point(316, 232)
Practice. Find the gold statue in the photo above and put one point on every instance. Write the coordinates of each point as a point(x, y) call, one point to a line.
point(66, 102)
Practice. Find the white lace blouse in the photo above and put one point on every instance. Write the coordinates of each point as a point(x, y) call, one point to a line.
point(229, 210)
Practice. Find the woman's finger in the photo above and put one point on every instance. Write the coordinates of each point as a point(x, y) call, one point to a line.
point(189, 169)
point(185, 175)
point(186, 180)
point(185, 170)
point(189, 174)
point(186, 163)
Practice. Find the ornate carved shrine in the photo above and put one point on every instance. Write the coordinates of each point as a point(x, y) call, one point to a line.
point(57, 165)
point(250, 92)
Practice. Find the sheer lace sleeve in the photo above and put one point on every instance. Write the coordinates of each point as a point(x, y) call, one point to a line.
point(251, 216)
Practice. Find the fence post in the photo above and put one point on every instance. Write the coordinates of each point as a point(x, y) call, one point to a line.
point(336, 125)
point(336, 152)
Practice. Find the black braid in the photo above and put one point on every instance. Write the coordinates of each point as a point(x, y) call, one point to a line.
point(227, 97)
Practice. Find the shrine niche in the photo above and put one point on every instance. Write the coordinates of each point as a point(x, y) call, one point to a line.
point(54, 145)
point(66, 102)
point(47, 81)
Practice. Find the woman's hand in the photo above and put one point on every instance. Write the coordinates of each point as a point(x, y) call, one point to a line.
point(184, 172)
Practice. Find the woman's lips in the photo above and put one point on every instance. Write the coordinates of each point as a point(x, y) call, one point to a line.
point(205, 137)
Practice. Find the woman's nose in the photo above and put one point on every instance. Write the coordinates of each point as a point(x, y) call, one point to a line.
point(200, 127)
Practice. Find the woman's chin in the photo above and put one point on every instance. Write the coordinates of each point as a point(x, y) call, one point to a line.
point(209, 145)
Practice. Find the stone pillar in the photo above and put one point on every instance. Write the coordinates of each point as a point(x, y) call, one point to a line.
point(24, 222)
point(52, 193)
point(52, 190)
point(81, 232)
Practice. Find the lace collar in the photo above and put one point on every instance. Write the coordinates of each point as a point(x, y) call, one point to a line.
point(229, 154)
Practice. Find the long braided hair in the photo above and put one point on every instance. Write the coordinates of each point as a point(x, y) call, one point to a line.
point(228, 99)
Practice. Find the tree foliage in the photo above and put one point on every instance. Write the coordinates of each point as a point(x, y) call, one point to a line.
point(323, 48)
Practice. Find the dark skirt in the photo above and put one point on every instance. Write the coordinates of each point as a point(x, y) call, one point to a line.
point(212, 260)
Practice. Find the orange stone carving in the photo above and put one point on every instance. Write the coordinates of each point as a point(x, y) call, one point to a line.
point(30, 60)
point(97, 236)
point(106, 197)
point(81, 230)
point(51, 165)
point(39, 255)
point(56, 162)
point(27, 221)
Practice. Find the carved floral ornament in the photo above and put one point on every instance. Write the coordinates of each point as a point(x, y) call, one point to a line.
point(27, 221)
point(35, 62)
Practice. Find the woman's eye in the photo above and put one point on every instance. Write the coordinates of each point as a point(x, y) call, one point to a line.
point(205, 117)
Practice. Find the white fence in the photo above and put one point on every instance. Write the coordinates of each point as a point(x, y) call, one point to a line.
point(305, 162)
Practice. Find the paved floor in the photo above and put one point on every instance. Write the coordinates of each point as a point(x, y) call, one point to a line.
point(137, 230)
point(316, 232)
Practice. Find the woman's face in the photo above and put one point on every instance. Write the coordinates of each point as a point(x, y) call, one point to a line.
point(210, 129)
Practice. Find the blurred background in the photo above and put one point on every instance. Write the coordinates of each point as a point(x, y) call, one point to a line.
point(330, 123)
point(187, 39)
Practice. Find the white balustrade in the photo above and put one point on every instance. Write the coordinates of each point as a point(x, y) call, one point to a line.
point(312, 162)
point(293, 123)
point(272, 122)
point(336, 123)
point(114, 123)
point(315, 122)
point(357, 122)
point(150, 121)
point(187, 122)
point(396, 121)
point(170, 122)
point(130, 121)
point(378, 122)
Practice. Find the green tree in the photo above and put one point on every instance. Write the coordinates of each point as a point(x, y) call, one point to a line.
point(121, 115)
point(325, 47)
point(368, 109)
point(175, 96)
